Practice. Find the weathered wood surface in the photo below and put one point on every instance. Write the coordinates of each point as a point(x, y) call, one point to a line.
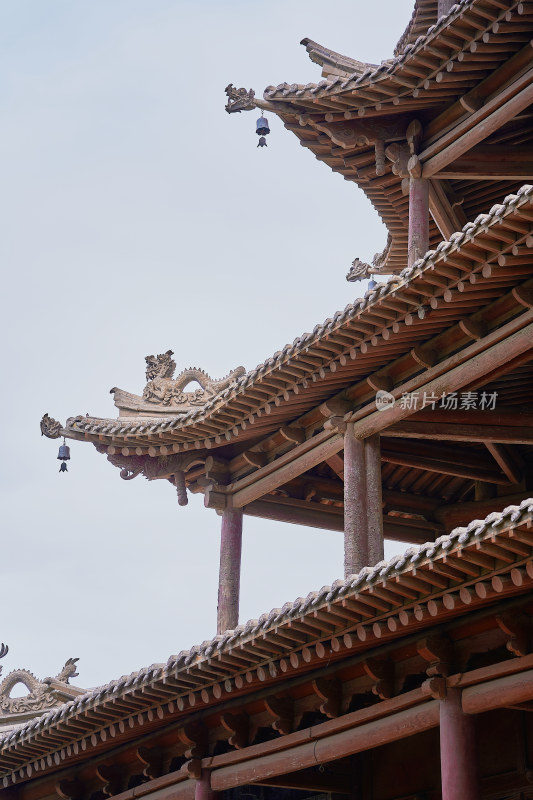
point(418, 242)
point(230, 570)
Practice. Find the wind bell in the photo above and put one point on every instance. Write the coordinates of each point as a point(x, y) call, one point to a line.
point(63, 456)
point(262, 130)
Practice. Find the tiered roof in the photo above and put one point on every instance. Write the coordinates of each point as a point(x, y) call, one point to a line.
point(464, 571)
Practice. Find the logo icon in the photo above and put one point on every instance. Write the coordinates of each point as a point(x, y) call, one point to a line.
point(384, 400)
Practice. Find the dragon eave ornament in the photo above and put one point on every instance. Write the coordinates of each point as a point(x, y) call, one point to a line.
point(165, 394)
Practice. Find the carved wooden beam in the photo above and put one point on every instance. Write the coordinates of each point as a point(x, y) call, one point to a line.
point(330, 692)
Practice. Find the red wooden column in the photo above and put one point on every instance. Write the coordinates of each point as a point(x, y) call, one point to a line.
point(229, 577)
point(363, 514)
point(202, 790)
point(458, 760)
point(418, 243)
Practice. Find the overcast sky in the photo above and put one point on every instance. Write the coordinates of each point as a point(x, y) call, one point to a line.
point(137, 216)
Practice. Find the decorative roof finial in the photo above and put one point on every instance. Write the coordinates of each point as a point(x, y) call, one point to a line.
point(239, 99)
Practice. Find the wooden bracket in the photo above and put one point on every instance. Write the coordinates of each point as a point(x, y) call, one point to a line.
point(330, 691)
point(382, 383)
point(436, 687)
point(523, 295)
point(413, 135)
point(215, 499)
point(70, 789)
point(150, 758)
point(518, 629)
point(293, 434)
point(255, 458)
point(475, 330)
point(381, 671)
point(335, 424)
point(192, 768)
point(438, 652)
point(238, 725)
point(334, 407)
point(399, 155)
point(424, 356)
point(194, 737)
point(281, 709)
point(112, 778)
point(217, 470)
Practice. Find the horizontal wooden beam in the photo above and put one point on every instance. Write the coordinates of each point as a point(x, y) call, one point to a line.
point(490, 163)
point(456, 514)
point(460, 432)
point(337, 745)
point(445, 468)
point(331, 518)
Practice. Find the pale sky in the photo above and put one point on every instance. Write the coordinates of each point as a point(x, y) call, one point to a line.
point(137, 216)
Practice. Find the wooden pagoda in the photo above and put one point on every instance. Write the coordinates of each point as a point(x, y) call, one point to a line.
point(404, 416)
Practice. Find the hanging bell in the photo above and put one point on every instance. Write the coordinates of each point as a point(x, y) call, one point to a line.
point(262, 142)
point(372, 283)
point(261, 127)
point(63, 455)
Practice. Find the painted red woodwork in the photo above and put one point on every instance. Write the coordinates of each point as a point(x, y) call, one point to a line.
point(230, 570)
point(457, 750)
point(418, 242)
point(507, 691)
point(203, 789)
point(355, 740)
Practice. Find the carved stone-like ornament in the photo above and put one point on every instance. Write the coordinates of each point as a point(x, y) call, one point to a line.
point(239, 99)
point(42, 695)
point(50, 427)
point(165, 394)
point(359, 271)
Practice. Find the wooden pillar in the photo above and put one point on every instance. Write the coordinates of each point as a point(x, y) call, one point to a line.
point(444, 7)
point(356, 553)
point(418, 243)
point(363, 513)
point(230, 570)
point(374, 499)
point(202, 790)
point(458, 759)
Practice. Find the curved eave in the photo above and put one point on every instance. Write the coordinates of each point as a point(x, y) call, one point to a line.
point(356, 342)
point(462, 41)
point(425, 14)
point(135, 696)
